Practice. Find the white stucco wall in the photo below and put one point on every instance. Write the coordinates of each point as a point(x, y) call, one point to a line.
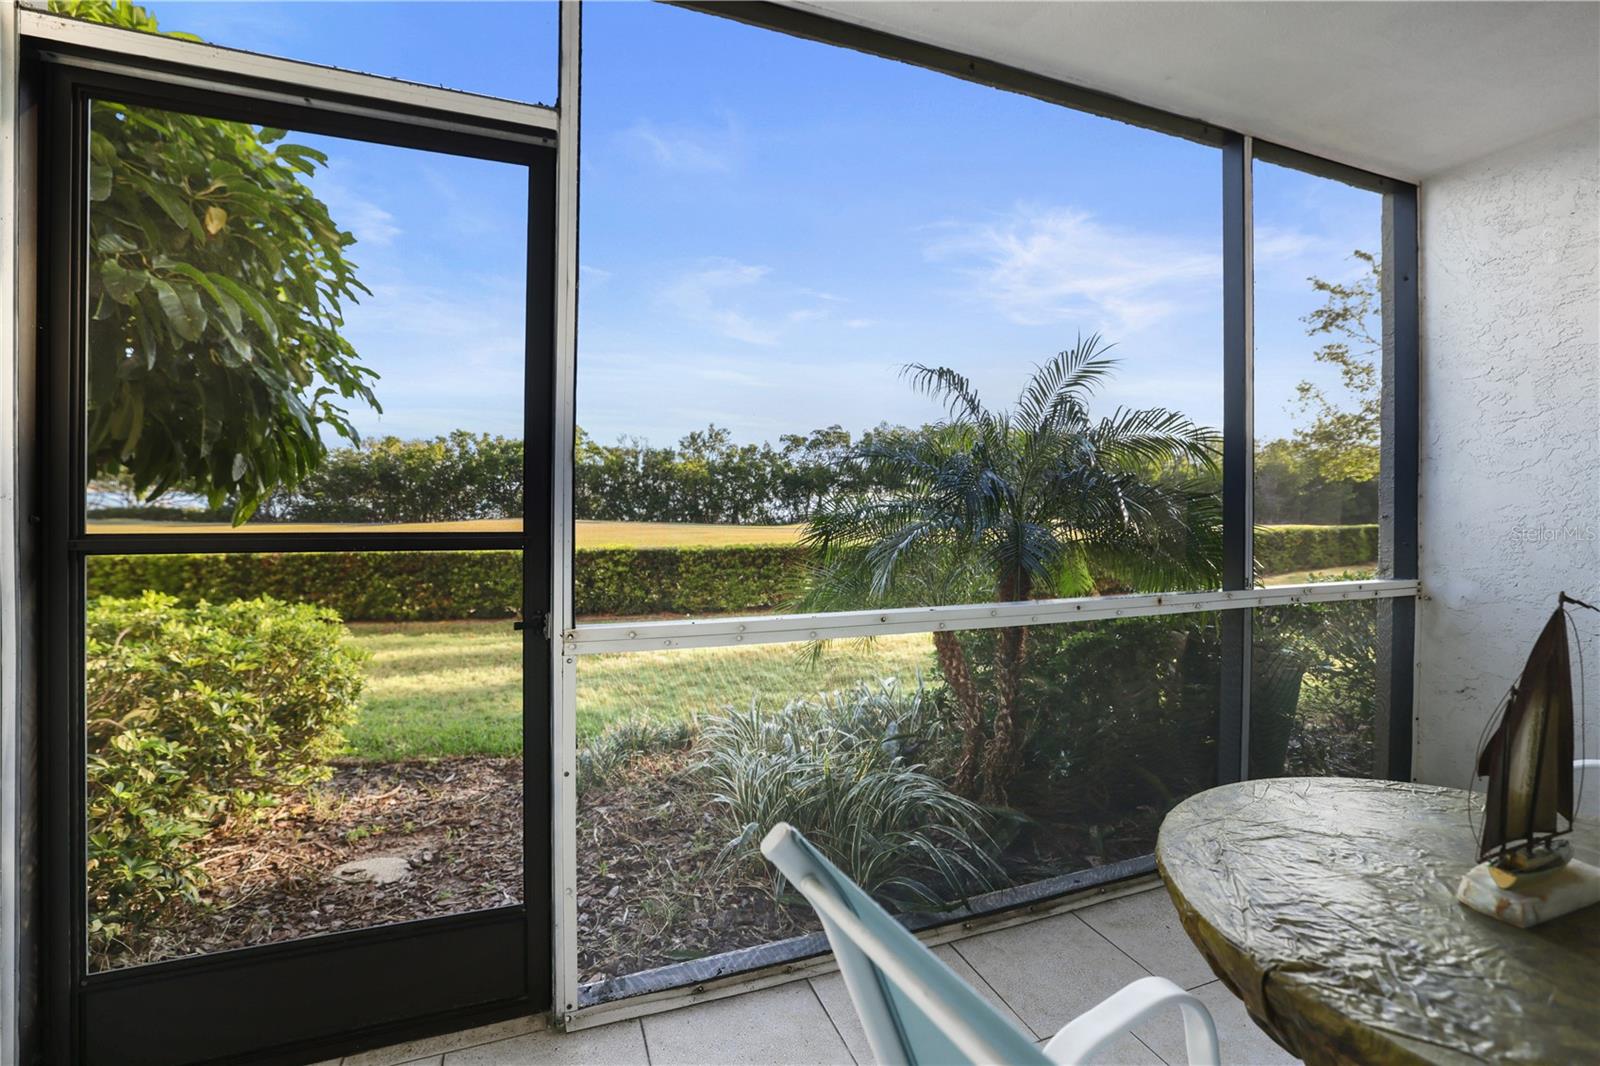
point(1510, 466)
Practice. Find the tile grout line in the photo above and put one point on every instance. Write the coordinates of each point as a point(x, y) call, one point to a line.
point(1148, 1048)
point(826, 1013)
point(1113, 943)
point(1015, 1013)
point(1141, 966)
point(1119, 949)
point(644, 1037)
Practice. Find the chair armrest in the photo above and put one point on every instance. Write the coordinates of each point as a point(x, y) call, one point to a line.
point(1093, 1029)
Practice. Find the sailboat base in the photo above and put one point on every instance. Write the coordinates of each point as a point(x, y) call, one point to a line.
point(1532, 898)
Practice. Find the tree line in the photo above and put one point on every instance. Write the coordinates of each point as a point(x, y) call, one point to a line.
point(706, 476)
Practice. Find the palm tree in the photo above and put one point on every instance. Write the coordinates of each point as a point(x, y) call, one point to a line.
point(1001, 506)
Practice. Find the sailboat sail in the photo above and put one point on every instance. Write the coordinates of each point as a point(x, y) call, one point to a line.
point(1528, 759)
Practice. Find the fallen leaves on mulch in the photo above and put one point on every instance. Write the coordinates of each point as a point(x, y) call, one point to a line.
point(458, 822)
point(652, 889)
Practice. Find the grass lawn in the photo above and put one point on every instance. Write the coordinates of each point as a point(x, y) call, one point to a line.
point(1301, 577)
point(454, 688)
point(438, 688)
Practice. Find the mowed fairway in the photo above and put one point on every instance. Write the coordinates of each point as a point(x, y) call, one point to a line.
point(586, 534)
point(454, 688)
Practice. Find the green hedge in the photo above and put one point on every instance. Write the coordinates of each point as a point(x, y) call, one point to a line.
point(1284, 549)
point(433, 586)
point(196, 715)
point(627, 581)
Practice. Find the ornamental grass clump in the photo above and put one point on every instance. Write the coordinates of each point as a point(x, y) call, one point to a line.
point(850, 770)
point(605, 757)
point(196, 715)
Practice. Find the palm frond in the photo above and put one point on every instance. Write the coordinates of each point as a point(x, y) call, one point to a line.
point(953, 389)
point(1062, 386)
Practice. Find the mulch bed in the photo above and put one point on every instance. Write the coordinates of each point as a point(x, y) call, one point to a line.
point(652, 889)
point(457, 822)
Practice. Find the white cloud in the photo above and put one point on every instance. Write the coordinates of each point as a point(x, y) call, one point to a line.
point(703, 296)
point(686, 149)
point(1045, 265)
point(447, 358)
point(742, 302)
point(372, 224)
point(1273, 244)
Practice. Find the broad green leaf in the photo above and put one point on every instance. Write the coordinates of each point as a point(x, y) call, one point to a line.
point(122, 285)
point(172, 203)
point(297, 154)
point(253, 304)
point(101, 148)
point(113, 243)
point(229, 307)
point(99, 182)
point(136, 418)
point(181, 305)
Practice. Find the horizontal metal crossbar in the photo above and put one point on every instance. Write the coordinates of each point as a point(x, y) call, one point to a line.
point(196, 64)
point(604, 637)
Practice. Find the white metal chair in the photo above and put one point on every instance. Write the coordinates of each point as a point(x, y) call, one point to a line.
point(917, 1012)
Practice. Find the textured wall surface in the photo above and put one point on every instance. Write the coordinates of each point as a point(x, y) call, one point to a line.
point(1510, 509)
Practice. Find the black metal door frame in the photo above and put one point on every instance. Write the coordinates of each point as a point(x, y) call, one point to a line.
point(336, 992)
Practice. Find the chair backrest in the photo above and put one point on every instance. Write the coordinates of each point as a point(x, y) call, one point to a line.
point(914, 1008)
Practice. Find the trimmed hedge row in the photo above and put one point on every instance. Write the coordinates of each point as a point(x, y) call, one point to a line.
point(439, 586)
point(739, 580)
point(446, 585)
point(1283, 549)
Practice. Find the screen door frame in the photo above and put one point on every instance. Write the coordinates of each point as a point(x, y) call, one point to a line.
point(299, 999)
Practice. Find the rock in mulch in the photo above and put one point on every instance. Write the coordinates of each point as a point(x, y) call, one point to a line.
point(380, 870)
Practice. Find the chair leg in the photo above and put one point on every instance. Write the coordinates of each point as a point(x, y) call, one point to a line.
point(1095, 1028)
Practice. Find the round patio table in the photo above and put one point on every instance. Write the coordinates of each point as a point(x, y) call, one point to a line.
point(1328, 906)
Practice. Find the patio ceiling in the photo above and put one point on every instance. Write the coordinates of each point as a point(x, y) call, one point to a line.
point(1404, 89)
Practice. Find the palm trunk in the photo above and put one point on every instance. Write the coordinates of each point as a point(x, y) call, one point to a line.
point(953, 664)
point(1000, 761)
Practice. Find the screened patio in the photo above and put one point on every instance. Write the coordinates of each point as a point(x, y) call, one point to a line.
point(433, 555)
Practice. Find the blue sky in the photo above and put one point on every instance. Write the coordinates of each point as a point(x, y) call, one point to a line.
point(770, 228)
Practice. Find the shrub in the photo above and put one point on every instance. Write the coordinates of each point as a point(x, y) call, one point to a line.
point(1331, 731)
point(1283, 549)
point(195, 714)
point(451, 585)
point(1120, 716)
point(1118, 719)
point(376, 586)
point(849, 772)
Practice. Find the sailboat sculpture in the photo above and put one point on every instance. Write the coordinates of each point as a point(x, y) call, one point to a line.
point(1526, 874)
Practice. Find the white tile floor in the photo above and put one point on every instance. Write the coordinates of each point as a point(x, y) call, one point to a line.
point(1041, 975)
